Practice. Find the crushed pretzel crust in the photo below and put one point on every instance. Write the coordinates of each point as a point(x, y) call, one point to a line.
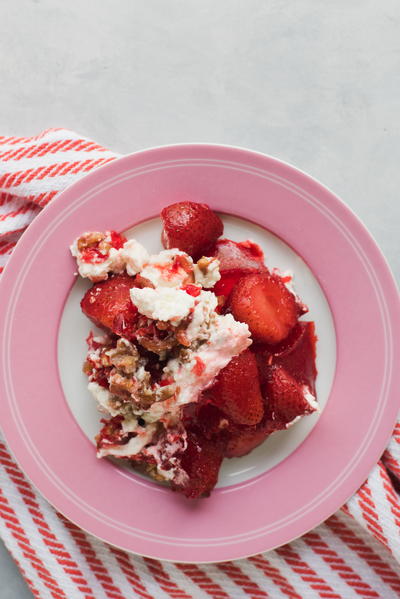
point(94, 239)
point(204, 263)
point(124, 357)
point(150, 469)
point(91, 239)
point(159, 337)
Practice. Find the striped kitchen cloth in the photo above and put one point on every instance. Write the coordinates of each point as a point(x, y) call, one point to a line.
point(354, 554)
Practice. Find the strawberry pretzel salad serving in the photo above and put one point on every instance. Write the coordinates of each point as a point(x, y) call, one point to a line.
point(202, 354)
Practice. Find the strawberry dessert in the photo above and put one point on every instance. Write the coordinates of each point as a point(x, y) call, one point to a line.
point(202, 353)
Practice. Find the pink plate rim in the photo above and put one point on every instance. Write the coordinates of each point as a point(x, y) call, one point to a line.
point(140, 516)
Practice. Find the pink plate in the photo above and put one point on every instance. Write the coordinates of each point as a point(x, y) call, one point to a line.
point(273, 507)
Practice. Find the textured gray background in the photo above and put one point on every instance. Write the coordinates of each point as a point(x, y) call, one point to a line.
point(314, 82)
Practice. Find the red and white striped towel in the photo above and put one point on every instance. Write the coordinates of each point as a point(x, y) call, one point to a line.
point(356, 553)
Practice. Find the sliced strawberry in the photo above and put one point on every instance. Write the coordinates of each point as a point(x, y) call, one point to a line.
point(190, 227)
point(237, 390)
point(201, 461)
point(245, 256)
point(124, 323)
point(227, 282)
point(207, 417)
point(242, 440)
point(252, 248)
point(286, 397)
point(234, 439)
point(296, 354)
point(263, 302)
point(108, 304)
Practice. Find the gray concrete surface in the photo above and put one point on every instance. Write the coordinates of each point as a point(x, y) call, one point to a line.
point(313, 82)
point(12, 585)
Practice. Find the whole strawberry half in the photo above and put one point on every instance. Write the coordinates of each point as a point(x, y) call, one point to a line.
point(201, 461)
point(237, 390)
point(286, 398)
point(190, 227)
point(296, 354)
point(263, 302)
point(108, 305)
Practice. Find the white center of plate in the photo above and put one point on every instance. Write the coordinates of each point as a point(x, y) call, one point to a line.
point(75, 327)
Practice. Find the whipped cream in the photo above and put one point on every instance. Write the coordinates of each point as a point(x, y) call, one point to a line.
point(164, 269)
point(163, 303)
point(206, 276)
point(204, 309)
point(103, 398)
point(112, 262)
point(134, 256)
point(130, 425)
point(134, 446)
point(310, 399)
